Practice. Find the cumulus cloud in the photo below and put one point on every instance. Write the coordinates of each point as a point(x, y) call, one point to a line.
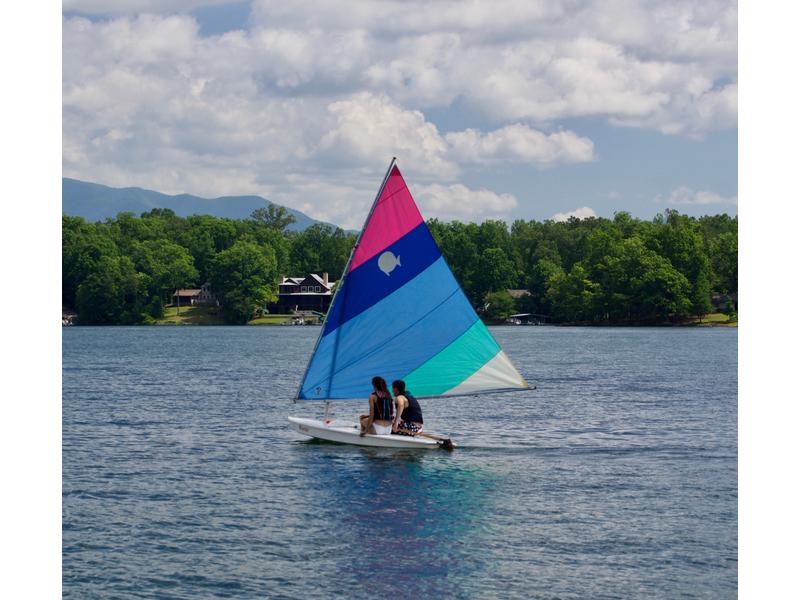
point(148, 101)
point(329, 91)
point(669, 66)
point(520, 144)
point(367, 128)
point(584, 212)
point(685, 195)
point(460, 202)
point(372, 129)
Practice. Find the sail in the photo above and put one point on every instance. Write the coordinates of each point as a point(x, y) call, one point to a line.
point(400, 313)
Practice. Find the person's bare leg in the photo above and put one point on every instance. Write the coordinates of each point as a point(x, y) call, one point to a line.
point(364, 419)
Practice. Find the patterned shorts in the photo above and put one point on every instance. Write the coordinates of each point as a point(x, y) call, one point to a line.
point(411, 428)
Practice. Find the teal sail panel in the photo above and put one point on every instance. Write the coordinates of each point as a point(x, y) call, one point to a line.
point(400, 313)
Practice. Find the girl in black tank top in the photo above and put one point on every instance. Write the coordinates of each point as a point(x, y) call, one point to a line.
point(381, 408)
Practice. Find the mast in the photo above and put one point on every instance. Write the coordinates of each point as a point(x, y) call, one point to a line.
point(339, 287)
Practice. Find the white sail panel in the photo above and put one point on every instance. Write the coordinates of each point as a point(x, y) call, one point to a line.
point(498, 373)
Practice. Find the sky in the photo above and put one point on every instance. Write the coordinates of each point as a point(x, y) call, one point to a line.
point(507, 109)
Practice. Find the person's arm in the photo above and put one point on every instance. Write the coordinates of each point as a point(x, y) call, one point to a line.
point(371, 414)
point(400, 402)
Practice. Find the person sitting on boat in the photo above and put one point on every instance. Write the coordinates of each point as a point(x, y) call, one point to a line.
point(408, 420)
point(381, 410)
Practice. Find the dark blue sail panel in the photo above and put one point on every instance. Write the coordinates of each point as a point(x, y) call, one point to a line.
point(382, 275)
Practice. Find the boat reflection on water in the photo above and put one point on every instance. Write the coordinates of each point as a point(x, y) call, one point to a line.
point(417, 518)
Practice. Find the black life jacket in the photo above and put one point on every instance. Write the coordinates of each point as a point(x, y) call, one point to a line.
point(412, 412)
point(384, 407)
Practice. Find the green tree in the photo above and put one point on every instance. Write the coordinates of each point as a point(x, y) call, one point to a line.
point(458, 243)
point(204, 238)
point(724, 257)
point(541, 276)
point(273, 216)
point(267, 236)
point(156, 307)
point(244, 277)
point(499, 305)
point(166, 265)
point(494, 272)
point(638, 284)
point(730, 309)
point(127, 228)
point(701, 294)
point(83, 245)
point(572, 295)
point(532, 244)
point(494, 234)
point(625, 224)
point(682, 244)
point(113, 293)
point(320, 249)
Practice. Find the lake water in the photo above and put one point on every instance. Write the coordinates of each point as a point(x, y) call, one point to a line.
point(615, 478)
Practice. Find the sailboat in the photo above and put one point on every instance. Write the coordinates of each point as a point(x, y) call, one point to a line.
point(398, 312)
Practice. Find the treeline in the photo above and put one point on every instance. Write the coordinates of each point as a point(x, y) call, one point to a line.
point(595, 270)
point(124, 270)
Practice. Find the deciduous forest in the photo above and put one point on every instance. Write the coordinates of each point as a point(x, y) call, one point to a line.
point(596, 270)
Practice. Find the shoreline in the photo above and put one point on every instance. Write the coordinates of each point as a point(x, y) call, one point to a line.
point(209, 317)
point(707, 325)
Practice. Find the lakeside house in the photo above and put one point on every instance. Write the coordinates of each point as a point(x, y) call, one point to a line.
point(194, 296)
point(309, 293)
point(720, 301)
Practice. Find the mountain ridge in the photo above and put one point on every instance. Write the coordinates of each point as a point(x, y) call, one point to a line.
point(96, 202)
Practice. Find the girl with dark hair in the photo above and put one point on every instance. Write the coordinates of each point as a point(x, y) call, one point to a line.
point(381, 410)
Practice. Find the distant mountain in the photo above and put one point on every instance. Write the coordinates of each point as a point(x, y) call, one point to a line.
point(95, 202)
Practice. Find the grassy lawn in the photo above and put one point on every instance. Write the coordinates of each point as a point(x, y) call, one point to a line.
point(191, 315)
point(715, 319)
point(211, 315)
point(271, 320)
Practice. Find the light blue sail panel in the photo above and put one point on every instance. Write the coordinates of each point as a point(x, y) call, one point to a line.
point(392, 338)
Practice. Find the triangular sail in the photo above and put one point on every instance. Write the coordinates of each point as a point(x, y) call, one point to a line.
point(400, 313)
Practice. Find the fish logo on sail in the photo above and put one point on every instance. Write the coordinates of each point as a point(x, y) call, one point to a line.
point(387, 262)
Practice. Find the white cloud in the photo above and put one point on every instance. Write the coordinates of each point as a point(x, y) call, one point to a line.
point(460, 202)
point(368, 129)
point(583, 212)
point(327, 92)
point(658, 65)
point(148, 101)
point(685, 195)
point(415, 17)
point(520, 144)
point(371, 129)
point(670, 66)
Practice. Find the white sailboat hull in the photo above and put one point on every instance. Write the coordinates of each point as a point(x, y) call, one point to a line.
point(348, 433)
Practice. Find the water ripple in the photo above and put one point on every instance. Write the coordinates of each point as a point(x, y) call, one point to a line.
point(616, 477)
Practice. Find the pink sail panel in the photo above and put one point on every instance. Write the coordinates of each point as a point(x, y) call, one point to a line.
point(394, 216)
